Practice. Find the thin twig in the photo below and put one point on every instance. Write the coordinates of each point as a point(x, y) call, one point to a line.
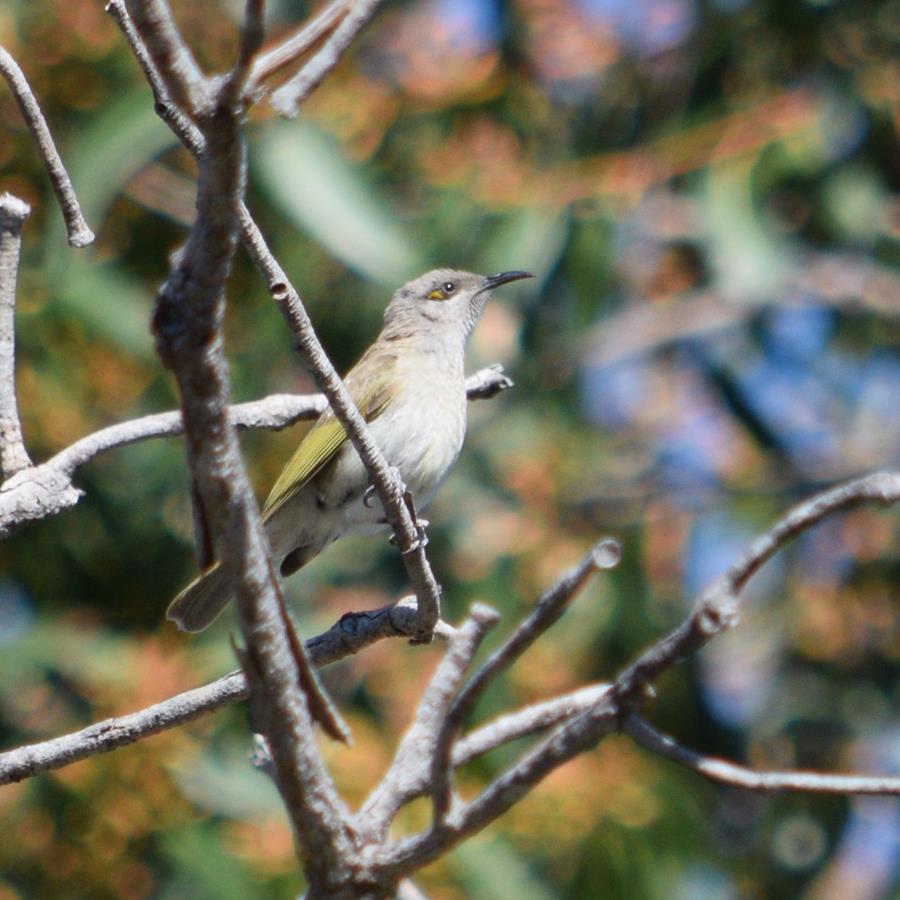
point(737, 776)
point(274, 412)
point(292, 48)
point(410, 766)
point(119, 731)
point(352, 633)
point(185, 84)
point(252, 32)
point(182, 126)
point(396, 791)
point(288, 98)
point(551, 605)
point(526, 721)
point(77, 230)
point(13, 455)
point(716, 608)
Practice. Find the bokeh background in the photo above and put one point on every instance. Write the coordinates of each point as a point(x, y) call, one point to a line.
point(708, 193)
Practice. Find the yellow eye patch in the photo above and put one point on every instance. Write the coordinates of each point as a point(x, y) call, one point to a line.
point(446, 290)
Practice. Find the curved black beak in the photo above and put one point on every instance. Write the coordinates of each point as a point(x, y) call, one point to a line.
point(492, 281)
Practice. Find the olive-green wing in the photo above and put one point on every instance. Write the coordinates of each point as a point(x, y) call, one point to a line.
point(323, 441)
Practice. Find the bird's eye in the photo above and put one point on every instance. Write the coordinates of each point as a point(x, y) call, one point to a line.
point(445, 291)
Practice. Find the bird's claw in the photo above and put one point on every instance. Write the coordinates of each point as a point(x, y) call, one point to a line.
point(421, 540)
point(369, 493)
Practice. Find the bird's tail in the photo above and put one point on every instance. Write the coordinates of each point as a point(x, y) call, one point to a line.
point(201, 601)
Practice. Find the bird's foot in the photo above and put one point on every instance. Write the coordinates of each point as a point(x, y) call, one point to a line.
point(370, 493)
point(421, 540)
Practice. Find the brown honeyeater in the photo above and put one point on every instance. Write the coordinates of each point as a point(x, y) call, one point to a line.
point(410, 387)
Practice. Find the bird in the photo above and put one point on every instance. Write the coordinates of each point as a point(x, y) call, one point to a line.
point(410, 388)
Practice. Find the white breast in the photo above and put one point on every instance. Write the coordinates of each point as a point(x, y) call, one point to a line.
point(422, 432)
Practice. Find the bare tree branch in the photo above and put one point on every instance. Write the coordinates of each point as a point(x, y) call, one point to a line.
point(581, 718)
point(166, 108)
point(252, 33)
point(352, 633)
point(285, 695)
point(551, 605)
point(524, 722)
point(178, 70)
point(734, 775)
point(288, 98)
point(292, 48)
point(77, 230)
point(274, 412)
point(119, 731)
point(413, 781)
point(13, 455)
point(46, 490)
point(716, 608)
point(567, 741)
point(410, 766)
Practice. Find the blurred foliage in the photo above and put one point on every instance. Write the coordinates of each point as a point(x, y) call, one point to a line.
point(709, 195)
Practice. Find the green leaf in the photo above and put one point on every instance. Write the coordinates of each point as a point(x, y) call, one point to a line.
point(106, 302)
point(751, 261)
point(510, 875)
point(305, 175)
point(104, 157)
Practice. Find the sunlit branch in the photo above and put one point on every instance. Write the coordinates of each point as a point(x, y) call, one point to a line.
point(252, 33)
point(551, 605)
point(288, 98)
point(716, 608)
point(407, 783)
point(351, 634)
point(737, 776)
point(13, 455)
point(185, 84)
point(77, 230)
point(292, 48)
point(411, 766)
point(285, 696)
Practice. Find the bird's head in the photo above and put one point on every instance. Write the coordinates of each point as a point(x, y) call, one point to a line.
point(443, 297)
